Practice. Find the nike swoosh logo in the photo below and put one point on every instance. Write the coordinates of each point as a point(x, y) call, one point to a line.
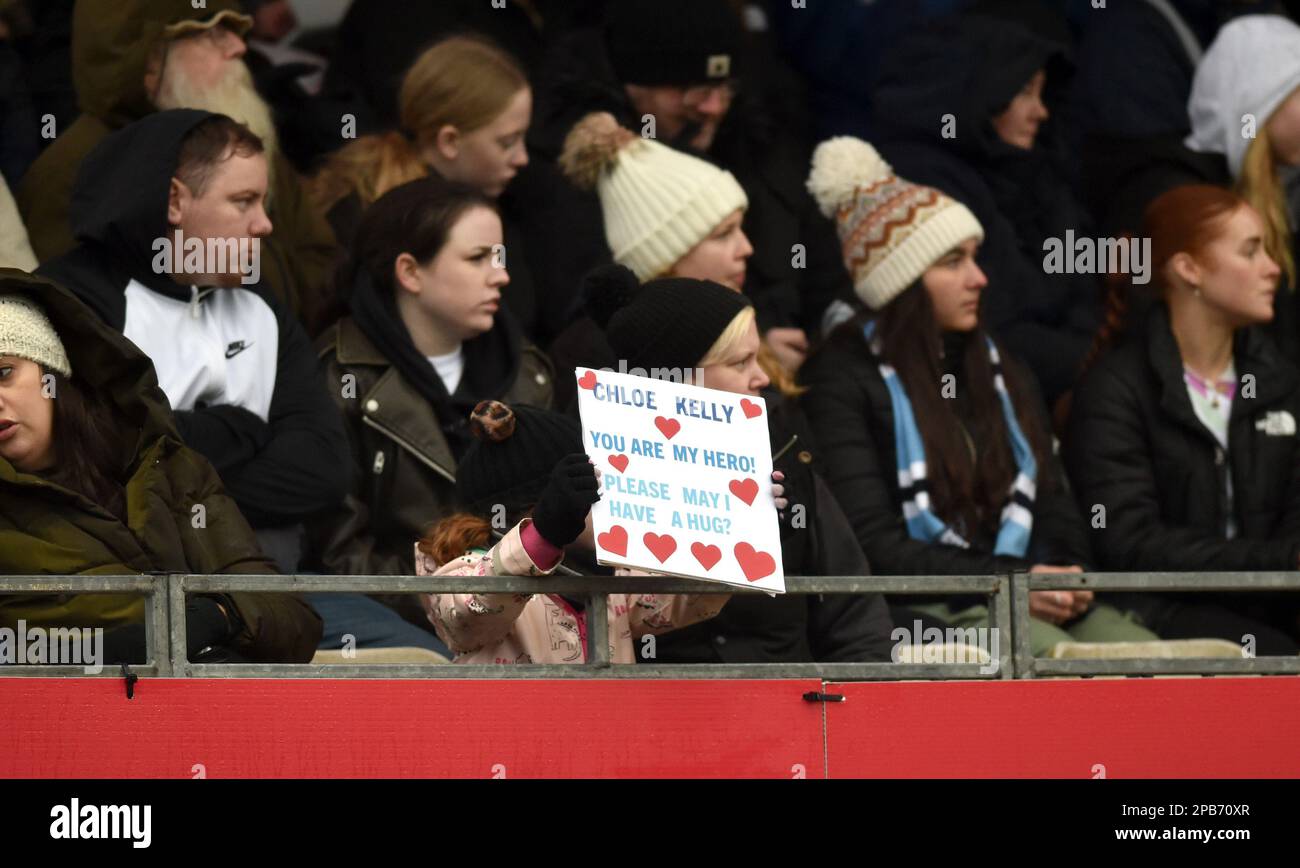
point(236, 348)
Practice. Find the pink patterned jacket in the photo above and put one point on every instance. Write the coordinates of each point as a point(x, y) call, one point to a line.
point(543, 628)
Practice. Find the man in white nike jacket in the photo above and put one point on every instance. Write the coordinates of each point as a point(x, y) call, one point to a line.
point(169, 213)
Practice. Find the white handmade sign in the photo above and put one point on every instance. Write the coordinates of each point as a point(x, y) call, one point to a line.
point(686, 479)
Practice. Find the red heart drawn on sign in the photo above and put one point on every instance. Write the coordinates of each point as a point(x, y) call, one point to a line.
point(755, 565)
point(619, 462)
point(667, 427)
point(746, 490)
point(708, 556)
point(662, 547)
point(588, 380)
point(751, 409)
point(614, 540)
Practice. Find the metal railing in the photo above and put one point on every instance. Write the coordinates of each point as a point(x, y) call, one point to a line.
point(1029, 666)
point(1008, 604)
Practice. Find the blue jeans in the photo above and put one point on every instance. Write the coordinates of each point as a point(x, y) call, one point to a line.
point(371, 623)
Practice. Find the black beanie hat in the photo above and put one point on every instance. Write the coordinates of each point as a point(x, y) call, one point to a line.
point(515, 449)
point(669, 323)
point(672, 42)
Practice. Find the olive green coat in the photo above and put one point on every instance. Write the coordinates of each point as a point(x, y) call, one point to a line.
point(46, 529)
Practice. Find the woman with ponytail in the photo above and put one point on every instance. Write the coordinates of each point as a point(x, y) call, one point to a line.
point(939, 445)
point(1182, 436)
point(529, 463)
point(465, 109)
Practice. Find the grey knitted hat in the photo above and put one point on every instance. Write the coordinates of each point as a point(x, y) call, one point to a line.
point(26, 332)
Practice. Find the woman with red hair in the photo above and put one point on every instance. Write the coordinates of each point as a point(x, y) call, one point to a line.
point(1182, 438)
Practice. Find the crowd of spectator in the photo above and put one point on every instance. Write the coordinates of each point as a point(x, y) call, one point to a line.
point(1017, 281)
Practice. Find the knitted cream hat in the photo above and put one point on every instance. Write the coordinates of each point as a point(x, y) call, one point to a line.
point(26, 332)
point(891, 230)
point(658, 203)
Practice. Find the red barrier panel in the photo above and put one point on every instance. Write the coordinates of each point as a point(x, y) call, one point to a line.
point(230, 728)
point(244, 728)
point(1131, 728)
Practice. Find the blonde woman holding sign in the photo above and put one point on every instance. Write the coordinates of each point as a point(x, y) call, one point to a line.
point(679, 324)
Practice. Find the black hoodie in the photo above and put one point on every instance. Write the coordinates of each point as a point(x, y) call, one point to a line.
point(260, 414)
point(934, 101)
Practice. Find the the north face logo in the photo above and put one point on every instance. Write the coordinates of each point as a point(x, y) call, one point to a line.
point(1277, 423)
point(719, 66)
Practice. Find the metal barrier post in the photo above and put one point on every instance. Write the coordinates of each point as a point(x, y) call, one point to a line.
point(1000, 609)
point(598, 631)
point(1024, 657)
point(157, 636)
point(178, 647)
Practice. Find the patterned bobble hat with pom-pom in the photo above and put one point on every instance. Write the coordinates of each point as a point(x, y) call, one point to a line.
point(515, 449)
point(891, 230)
point(658, 203)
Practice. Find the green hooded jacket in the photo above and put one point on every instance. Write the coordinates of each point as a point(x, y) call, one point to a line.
point(46, 529)
point(111, 44)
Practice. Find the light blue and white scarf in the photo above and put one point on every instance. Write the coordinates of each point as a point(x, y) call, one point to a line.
point(922, 523)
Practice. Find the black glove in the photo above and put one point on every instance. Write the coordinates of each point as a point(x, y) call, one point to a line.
point(206, 625)
point(561, 512)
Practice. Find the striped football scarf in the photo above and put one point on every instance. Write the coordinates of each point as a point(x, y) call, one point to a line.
point(922, 523)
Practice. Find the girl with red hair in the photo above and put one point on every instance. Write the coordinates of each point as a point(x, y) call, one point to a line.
point(1182, 439)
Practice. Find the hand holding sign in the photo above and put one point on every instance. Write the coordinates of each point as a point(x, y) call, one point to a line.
point(688, 488)
point(561, 511)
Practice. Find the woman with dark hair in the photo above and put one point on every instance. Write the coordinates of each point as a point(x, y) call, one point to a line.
point(1183, 435)
point(427, 340)
point(967, 104)
point(94, 480)
point(938, 444)
point(465, 109)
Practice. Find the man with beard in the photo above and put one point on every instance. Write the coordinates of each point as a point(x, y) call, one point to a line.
point(133, 57)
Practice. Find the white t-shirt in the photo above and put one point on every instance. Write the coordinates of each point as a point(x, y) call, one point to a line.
point(449, 368)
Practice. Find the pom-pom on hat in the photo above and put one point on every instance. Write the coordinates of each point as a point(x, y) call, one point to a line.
point(891, 230)
point(26, 332)
point(658, 203)
point(667, 324)
point(515, 449)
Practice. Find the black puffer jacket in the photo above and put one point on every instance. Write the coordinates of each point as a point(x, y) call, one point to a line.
point(1136, 447)
point(795, 628)
point(852, 417)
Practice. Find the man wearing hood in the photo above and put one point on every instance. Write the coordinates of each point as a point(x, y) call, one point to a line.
point(110, 417)
point(169, 212)
point(134, 57)
point(677, 64)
